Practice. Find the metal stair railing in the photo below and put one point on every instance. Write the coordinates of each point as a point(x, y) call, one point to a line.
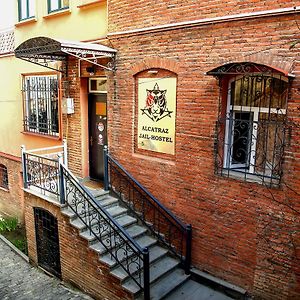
point(168, 229)
point(123, 249)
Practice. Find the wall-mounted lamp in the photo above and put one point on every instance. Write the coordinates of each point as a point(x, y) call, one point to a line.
point(91, 70)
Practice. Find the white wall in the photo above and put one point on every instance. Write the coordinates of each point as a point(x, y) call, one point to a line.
point(7, 14)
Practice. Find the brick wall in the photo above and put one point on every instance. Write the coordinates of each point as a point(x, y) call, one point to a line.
point(128, 14)
point(242, 232)
point(11, 199)
point(79, 265)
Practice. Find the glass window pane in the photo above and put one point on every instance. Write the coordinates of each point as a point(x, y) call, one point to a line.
point(23, 9)
point(31, 8)
point(54, 4)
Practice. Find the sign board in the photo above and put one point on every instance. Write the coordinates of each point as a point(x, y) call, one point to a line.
point(157, 114)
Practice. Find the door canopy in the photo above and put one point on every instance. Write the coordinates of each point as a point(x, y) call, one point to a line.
point(44, 50)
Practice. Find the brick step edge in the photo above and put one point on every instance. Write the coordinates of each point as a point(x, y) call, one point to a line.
point(219, 284)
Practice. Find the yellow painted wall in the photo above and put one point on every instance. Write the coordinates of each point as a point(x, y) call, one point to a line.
point(78, 24)
point(11, 108)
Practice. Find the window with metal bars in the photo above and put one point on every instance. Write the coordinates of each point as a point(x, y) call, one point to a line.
point(252, 123)
point(3, 177)
point(26, 9)
point(56, 5)
point(41, 104)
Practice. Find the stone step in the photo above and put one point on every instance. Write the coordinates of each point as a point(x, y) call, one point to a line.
point(105, 202)
point(114, 211)
point(97, 192)
point(146, 241)
point(167, 284)
point(155, 252)
point(160, 268)
point(133, 230)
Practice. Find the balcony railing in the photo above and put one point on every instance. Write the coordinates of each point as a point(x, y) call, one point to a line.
point(41, 169)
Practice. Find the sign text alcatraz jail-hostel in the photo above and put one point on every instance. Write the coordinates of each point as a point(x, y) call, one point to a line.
point(156, 114)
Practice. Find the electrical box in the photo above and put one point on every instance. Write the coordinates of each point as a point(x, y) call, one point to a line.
point(68, 106)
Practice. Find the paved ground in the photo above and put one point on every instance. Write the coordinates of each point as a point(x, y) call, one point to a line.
point(191, 290)
point(21, 281)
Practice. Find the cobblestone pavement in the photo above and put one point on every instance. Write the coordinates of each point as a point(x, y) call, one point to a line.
point(21, 281)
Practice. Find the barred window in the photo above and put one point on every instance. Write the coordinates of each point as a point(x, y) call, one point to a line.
point(251, 124)
point(41, 104)
point(3, 177)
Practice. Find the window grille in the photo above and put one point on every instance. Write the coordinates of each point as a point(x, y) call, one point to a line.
point(41, 104)
point(26, 9)
point(7, 42)
point(55, 5)
point(251, 124)
point(3, 177)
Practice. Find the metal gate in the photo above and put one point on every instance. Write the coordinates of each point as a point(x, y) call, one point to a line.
point(47, 241)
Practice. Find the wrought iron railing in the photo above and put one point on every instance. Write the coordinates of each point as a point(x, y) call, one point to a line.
point(113, 238)
point(168, 229)
point(41, 169)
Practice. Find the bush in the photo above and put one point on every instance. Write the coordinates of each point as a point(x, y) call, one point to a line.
point(8, 224)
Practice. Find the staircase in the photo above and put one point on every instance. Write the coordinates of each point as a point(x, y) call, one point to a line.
point(165, 271)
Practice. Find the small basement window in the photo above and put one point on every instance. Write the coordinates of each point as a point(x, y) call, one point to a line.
point(3, 177)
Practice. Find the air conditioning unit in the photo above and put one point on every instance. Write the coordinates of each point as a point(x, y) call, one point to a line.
point(68, 106)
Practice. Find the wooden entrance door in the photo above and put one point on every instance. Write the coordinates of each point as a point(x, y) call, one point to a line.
point(97, 134)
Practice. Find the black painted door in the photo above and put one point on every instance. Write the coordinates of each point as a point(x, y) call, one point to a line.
point(47, 241)
point(97, 134)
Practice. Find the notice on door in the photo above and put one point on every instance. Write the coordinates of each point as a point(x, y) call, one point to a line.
point(157, 114)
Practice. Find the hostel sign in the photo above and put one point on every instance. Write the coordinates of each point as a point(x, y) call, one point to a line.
point(156, 114)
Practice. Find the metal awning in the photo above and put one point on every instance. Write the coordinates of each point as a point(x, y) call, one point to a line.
point(246, 67)
point(43, 50)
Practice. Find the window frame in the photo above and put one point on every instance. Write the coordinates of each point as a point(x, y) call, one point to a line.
point(28, 16)
point(4, 177)
point(59, 4)
point(230, 110)
point(36, 104)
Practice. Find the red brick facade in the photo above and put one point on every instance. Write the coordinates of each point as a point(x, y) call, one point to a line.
point(79, 265)
point(242, 232)
point(12, 201)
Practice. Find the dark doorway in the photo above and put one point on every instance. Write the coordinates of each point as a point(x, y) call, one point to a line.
point(97, 134)
point(47, 241)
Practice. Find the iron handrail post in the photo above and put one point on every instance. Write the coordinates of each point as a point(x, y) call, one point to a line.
point(188, 253)
point(61, 180)
point(24, 167)
point(105, 159)
point(146, 263)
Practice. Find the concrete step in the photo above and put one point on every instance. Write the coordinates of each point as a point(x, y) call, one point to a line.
point(105, 202)
point(133, 230)
point(168, 283)
point(110, 244)
point(97, 193)
point(158, 269)
point(114, 211)
point(155, 252)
